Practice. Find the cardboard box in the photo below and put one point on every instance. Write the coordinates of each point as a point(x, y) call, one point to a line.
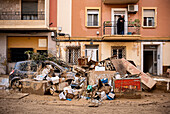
point(34, 87)
point(94, 76)
point(69, 96)
point(97, 68)
point(106, 89)
point(62, 85)
point(68, 75)
point(82, 61)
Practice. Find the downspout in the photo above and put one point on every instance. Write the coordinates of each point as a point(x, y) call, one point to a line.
point(101, 20)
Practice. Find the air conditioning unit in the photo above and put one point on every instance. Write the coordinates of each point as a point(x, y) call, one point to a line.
point(132, 8)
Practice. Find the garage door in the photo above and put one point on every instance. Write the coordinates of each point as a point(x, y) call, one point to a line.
point(18, 45)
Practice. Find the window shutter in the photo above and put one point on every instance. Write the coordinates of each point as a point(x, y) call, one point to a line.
point(149, 13)
point(91, 11)
point(29, 6)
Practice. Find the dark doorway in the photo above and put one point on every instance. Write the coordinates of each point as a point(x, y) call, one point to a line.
point(17, 54)
point(150, 59)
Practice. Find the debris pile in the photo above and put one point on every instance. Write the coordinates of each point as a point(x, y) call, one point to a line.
point(92, 80)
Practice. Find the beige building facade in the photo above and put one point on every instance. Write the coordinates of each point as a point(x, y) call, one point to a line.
point(92, 30)
point(94, 33)
point(24, 25)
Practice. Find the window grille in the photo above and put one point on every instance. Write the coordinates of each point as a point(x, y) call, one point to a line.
point(72, 54)
point(119, 52)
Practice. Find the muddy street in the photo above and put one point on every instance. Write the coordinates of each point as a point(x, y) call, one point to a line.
point(153, 102)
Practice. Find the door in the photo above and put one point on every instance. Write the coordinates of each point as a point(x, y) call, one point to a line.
point(150, 59)
point(116, 13)
point(92, 52)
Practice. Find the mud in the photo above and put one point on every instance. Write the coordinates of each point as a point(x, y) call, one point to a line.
point(155, 102)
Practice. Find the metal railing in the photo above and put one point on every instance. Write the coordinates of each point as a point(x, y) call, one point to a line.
point(113, 28)
point(26, 15)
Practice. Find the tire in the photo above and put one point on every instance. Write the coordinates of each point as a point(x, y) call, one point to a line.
point(15, 84)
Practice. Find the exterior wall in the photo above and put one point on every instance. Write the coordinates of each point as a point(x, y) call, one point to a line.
point(162, 28)
point(53, 13)
point(64, 9)
point(78, 18)
point(166, 54)
point(10, 5)
point(22, 24)
point(51, 45)
point(3, 60)
point(20, 41)
point(41, 5)
point(26, 42)
point(63, 47)
point(15, 5)
point(17, 23)
point(132, 49)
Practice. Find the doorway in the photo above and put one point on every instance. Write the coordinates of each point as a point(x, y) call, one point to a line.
point(156, 54)
point(150, 59)
point(18, 54)
point(91, 52)
point(116, 13)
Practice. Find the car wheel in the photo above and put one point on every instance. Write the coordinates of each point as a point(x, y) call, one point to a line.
point(15, 84)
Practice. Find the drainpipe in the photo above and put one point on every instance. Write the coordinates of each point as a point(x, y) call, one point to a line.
point(56, 40)
point(101, 18)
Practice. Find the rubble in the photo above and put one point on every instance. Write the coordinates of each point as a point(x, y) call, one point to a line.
point(90, 80)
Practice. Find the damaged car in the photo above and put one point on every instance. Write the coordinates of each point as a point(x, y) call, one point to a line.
point(30, 69)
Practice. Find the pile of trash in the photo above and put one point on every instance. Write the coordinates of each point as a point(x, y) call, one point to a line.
point(98, 92)
point(92, 80)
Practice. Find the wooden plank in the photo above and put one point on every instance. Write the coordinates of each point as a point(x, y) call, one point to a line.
point(17, 96)
point(145, 79)
point(119, 66)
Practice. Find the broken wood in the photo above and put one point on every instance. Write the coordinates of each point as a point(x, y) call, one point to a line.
point(17, 96)
point(119, 66)
point(145, 79)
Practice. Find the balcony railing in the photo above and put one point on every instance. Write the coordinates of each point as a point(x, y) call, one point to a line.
point(111, 28)
point(17, 15)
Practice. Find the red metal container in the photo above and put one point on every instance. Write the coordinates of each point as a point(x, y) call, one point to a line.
point(127, 84)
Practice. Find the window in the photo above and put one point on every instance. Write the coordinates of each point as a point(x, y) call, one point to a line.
point(92, 52)
point(149, 17)
point(29, 10)
point(24, 66)
point(119, 52)
point(33, 66)
point(92, 16)
point(72, 54)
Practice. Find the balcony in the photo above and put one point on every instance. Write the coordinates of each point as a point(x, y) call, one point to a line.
point(130, 31)
point(18, 20)
point(24, 15)
point(120, 1)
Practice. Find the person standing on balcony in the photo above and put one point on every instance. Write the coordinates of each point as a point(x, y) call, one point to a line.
point(120, 25)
